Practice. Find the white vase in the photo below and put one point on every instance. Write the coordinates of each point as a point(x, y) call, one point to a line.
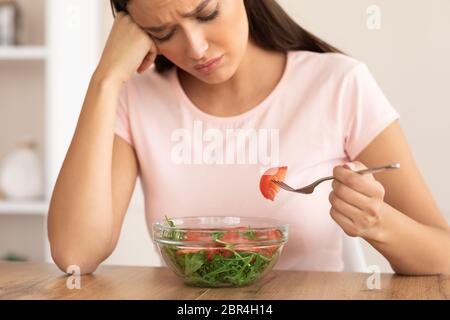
point(21, 175)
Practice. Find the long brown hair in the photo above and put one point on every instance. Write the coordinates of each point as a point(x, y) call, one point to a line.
point(270, 28)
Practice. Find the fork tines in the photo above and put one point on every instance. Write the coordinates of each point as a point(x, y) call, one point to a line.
point(283, 185)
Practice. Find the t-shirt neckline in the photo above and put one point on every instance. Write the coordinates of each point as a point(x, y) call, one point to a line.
point(186, 101)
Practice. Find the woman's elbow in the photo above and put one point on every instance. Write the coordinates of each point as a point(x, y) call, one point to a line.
point(74, 264)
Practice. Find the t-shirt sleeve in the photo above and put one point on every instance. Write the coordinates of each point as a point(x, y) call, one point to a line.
point(370, 111)
point(122, 126)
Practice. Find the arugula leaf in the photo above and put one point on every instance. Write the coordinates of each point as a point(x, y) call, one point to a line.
point(217, 235)
point(193, 262)
point(250, 234)
point(173, 234)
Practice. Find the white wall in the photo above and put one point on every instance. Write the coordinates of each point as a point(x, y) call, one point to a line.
point(409, 58)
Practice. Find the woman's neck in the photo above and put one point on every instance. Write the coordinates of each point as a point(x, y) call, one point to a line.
point(258, 74)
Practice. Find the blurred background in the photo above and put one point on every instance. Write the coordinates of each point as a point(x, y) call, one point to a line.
point(49, 49)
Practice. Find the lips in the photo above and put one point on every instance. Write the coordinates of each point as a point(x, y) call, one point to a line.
point(207, 64)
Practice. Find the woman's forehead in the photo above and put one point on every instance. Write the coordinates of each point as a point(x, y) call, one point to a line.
point(158, 12)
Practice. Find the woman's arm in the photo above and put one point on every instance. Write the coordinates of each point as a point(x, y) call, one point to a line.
point(80, 220)
point(99, 172)
point(395, 212)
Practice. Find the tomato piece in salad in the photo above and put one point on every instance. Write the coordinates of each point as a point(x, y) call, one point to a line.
point(194, 236)
point(237, 235)
point(267, 251)
point(268, 188)
point(234, 235)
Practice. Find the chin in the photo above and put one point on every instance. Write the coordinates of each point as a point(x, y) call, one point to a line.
point(218, 77)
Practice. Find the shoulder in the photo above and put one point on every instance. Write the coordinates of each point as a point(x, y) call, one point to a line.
point(323, 65)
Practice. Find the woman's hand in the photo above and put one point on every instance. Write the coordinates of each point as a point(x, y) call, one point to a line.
point(357, 201)
point(128, 49)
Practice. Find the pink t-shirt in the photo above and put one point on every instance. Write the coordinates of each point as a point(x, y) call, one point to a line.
point(324, 111)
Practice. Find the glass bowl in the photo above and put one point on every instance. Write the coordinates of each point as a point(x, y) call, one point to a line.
point(220, 251)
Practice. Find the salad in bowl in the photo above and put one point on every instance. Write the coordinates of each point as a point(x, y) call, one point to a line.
point(220, 251)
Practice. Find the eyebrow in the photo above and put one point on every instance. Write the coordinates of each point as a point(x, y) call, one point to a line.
point(193, 13)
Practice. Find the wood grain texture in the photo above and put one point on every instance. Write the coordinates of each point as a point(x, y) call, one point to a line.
point(19, 280)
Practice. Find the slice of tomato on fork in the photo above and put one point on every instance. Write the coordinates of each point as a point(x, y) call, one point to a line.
point(268, 188)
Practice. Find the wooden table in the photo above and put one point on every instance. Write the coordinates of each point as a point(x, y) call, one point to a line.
point(20, 280)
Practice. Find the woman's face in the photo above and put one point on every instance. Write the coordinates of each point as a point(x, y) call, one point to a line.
point(192, 33)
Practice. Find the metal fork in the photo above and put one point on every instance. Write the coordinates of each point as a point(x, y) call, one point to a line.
point(310, 188)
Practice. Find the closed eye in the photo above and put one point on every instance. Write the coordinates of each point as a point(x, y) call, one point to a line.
point(210, 17)
point(207, 18)
point(165, 38)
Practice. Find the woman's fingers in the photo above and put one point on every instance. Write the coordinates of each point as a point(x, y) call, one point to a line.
point(347, 209)
point(349, 195)
point(362, 183)
point(356, 201)
point(346, 223)
point(147, 62)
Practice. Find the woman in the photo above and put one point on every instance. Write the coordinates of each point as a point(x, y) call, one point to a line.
point(225, 68)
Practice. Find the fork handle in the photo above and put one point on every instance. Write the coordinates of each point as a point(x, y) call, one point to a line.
point(379, 169)
point(371, 170)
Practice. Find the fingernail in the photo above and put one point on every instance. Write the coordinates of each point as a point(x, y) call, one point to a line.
point(350, 165)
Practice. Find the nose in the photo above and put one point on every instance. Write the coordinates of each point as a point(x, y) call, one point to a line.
point(197, 44)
